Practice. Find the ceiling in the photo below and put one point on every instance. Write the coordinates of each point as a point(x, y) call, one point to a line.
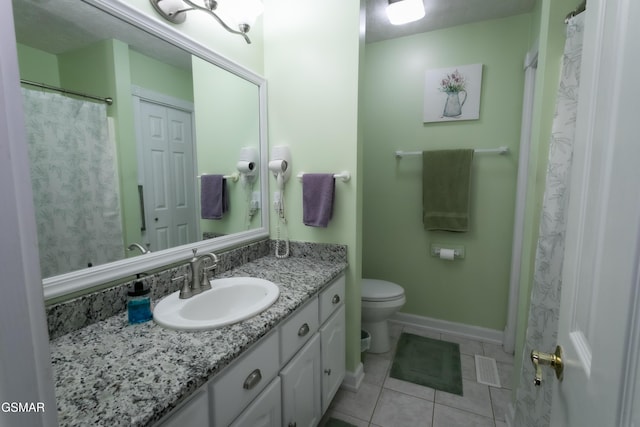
point(440, 14)
point(56, 26)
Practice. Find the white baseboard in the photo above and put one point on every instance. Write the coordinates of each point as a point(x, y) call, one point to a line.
point(352, 380)
point(451, 328)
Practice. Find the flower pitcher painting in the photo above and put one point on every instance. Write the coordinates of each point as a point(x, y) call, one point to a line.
point(452, 93)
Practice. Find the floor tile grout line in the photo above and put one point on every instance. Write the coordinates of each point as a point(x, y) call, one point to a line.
point(475, 414)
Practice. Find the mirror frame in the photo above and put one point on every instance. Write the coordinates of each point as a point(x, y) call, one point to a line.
point(67, 283)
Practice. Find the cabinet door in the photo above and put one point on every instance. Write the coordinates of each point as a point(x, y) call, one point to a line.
point(242, 381)
point(194, 413)
point(301, 387)
point(332, 335)
point(265, 411)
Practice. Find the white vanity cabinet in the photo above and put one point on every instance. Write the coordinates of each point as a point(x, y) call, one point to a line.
point(288, 378)
point(313, 376)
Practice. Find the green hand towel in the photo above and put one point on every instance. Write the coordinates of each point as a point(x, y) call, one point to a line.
point(446, 184)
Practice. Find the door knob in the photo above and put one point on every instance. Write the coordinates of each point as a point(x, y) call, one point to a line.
point(552, 359)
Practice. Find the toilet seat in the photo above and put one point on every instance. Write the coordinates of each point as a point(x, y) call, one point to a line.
point(380, 290)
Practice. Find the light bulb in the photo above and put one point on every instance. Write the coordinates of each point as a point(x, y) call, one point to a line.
point(241, 12)
point(405, 11)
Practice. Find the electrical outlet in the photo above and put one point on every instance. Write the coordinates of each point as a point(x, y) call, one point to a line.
point(276, 200)
point(255, 200)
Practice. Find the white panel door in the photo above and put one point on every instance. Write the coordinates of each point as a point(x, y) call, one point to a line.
point(169, 176)
point(599, 324)
point(183, 175)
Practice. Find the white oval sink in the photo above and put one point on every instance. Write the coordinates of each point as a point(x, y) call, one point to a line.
point(229, 300)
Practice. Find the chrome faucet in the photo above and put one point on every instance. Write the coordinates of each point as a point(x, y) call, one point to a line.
point(138, 246)
point(199, 281)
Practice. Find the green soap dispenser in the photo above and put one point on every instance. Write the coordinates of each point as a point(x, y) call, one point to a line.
point(139, 302)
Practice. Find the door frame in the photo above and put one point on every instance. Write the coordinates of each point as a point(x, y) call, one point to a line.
point(140, 94)
point(610, 45)
point(530, 71)
point(25, 360)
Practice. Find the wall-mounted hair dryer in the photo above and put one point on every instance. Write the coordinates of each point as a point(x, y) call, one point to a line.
point(280, 164)
point(248, 162)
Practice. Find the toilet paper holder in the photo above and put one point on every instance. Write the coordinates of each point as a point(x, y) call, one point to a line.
point(458, 251)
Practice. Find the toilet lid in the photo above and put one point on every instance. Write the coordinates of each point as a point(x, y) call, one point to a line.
point(380, 290)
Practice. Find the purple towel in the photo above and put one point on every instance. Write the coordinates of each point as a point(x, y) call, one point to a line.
point(317, 199)
point(214, 197)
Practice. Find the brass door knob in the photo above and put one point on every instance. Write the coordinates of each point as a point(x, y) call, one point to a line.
point(552, 359)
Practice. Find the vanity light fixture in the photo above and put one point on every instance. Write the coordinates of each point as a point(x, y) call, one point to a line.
point(402, 12)
point(240, 14)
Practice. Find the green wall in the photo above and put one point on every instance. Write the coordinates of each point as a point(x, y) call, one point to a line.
point(312, 54)
point(38, 66)
point(473, 291)
point(159, 77)
point(227, 119)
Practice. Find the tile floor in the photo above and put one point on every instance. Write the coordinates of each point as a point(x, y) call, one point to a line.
point(383, 401)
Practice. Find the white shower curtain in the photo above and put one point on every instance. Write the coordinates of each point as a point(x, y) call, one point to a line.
point(533, 404)
point(75, 182)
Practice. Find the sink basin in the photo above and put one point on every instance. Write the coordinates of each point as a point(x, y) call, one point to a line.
point(229, 300)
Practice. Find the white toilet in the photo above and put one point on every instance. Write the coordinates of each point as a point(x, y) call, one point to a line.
point(380, 300)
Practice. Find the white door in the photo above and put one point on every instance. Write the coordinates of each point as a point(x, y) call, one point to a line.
point(169, 176)
point(599, 327)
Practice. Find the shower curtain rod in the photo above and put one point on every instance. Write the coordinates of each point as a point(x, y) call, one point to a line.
point(108, 101)
point(499, 150)
point(578, 10)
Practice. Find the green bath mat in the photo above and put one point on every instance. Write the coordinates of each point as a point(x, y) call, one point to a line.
point(428, 362)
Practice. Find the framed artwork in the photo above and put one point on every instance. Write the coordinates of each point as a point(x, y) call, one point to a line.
point(452, 93)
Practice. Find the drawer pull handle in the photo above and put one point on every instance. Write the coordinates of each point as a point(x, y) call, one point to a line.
point(335, 299)
point(327, 371)
point(304, 330)
point(292, 424)
point(252, 380)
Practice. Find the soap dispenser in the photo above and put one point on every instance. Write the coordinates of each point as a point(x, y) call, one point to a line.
point(139, 302)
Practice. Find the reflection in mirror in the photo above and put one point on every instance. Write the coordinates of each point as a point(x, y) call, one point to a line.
point(106, 177)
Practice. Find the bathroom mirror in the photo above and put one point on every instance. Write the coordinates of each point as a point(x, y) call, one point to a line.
point(167, 89)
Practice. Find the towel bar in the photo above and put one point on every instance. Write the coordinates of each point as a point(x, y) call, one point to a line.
point(343, 176)
point(500, 150)
point(234, 177)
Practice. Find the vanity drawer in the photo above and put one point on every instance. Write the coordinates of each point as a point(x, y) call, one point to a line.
point(331, 298)
point(236, 386)
point(297, 330)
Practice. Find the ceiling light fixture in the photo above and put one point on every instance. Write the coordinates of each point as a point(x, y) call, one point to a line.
point(404, 11)
point(239, 13)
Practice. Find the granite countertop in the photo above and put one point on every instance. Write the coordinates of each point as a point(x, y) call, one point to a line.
point(114, 374)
